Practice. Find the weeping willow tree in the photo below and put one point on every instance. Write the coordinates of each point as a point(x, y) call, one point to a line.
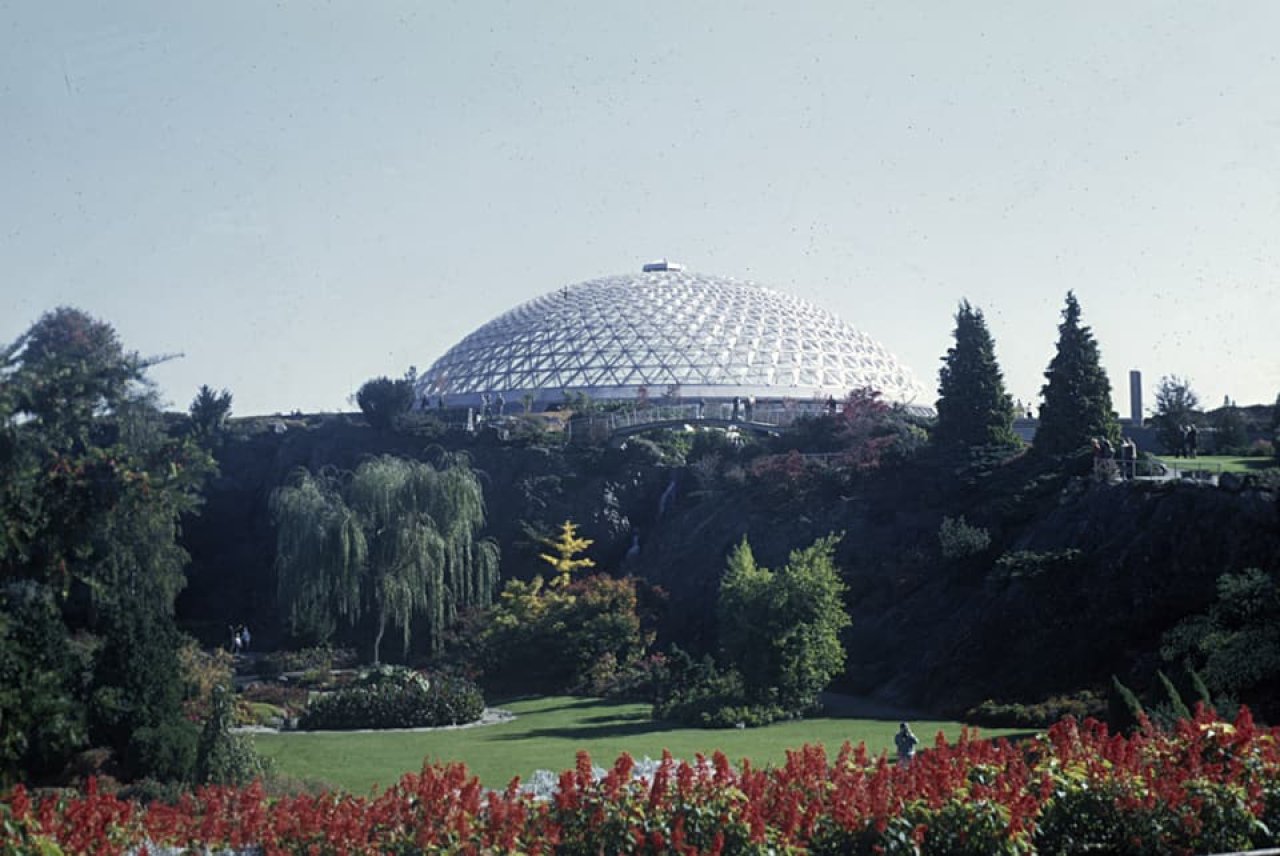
point(396, 539)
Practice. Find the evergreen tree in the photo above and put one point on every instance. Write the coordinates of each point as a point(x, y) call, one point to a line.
point(224, 757)
point(973, 407)
point(1176, 705)
point(1229, 433)
point(92, 489)
point(566, 548)
point(1124, 710)
point(136, 705)
point(41, 717)
point(1076, 397)
point(209, 412)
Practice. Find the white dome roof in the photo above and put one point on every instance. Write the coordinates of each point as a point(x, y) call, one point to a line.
point(667, 331)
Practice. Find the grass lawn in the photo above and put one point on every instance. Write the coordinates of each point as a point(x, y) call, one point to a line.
point(1227, 463)
point(547, 733)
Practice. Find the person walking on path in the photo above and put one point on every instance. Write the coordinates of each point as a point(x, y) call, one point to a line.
point(906, 743)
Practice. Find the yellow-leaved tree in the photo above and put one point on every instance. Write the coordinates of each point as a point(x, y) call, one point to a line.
point(566, 549)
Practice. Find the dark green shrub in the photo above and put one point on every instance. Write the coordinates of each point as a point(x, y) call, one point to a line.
point(962, 827)
point(147, 791)
point(41, 719)
point(955, 828)
point(1082, 817)
point(1223, 822)
point(321, 657)
point(138, 683)
point(222, 756)
point(1039, 715)
point(166, 752)
point(383, 400)
point(395, 697)
point(958, 540)
point(1124, 710)
point(1029, 564)
point(718, 700)
point(1091, 817)
point(1270, 817)
point(640, 681)
point(292, 700)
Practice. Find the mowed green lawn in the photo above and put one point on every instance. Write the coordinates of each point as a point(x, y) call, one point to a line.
point(548, 732)
point(1227, 463)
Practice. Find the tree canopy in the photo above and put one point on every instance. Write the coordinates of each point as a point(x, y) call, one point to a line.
point(1229, 432)
point(1176, 407)
point(93, 486)
point(1076, 397)
point(92, 490)
point(781, 629)
point(209, 412)
point(973, 407)
point(396, 539)
point(1235, 645)
point(383, 400)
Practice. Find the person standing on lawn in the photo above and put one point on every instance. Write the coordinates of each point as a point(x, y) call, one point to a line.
point(906, 743)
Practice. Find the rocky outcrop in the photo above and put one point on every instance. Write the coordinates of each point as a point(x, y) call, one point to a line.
point(1080, 580)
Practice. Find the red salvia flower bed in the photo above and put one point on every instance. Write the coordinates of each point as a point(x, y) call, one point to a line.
point(1206, 785)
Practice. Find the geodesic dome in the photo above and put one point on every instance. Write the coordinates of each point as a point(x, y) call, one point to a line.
point(665, 332)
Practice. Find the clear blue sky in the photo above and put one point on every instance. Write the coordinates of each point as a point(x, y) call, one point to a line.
point(301, 196)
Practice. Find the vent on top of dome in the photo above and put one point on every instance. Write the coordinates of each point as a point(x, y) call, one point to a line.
point(662, 264)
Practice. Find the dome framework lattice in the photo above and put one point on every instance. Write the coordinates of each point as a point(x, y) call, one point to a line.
point(663, 333)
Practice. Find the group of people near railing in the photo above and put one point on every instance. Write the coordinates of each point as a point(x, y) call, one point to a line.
point(1110, 462)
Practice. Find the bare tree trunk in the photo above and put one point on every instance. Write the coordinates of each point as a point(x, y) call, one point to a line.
point(377, 640)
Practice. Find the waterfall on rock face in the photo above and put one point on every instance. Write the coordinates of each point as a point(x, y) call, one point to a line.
point(667, 496)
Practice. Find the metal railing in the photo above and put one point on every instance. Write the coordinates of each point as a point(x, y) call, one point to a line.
point(770, 415)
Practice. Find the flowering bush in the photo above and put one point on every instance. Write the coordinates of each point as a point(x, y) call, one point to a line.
point(1204, 786)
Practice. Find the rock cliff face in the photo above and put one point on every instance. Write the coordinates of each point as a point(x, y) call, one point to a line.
point(1079, 581)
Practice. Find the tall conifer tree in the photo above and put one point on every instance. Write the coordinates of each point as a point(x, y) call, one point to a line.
point(973, 407)
point(1076, 397)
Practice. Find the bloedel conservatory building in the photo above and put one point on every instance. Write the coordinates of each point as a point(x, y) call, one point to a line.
point(665, 333)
